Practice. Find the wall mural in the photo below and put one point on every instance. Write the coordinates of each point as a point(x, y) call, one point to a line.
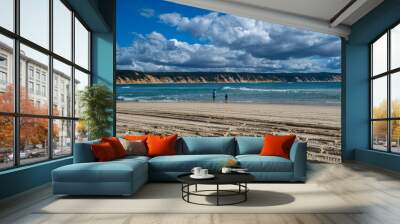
point(196, 72)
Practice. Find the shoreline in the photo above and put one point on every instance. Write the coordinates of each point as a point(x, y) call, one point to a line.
point(322, 94)
point(233, 102)
point(319, 126)
point(250, 82)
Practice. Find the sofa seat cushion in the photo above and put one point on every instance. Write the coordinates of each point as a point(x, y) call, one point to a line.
point(257, 163)
point(112, 171)
point(185, 163)
point(133, 157)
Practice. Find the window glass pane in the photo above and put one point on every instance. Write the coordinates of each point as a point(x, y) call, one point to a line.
point(62, 138)
point(81, 45)
point(395, 138)
point(62, 29)
point(379, 135)
point(395, 47)
point(7, 14)
point(81, 82)
point(379, 55)
point(81, 131)
point(34, 18)
point(395, 94)
point(6, 142)
point(379, 97)
point(62, 89)
point(34, 72)
point(33, 139)
point(6, 74)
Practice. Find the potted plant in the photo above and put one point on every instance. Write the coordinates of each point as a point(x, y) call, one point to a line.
point(96, 103)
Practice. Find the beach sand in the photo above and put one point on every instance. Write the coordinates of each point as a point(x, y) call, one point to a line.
point(319, 126)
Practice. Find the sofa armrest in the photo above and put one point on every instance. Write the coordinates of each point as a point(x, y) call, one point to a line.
point(298, 155)
point(83, 152)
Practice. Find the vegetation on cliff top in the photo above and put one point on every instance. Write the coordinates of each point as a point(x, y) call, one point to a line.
point(136, 77)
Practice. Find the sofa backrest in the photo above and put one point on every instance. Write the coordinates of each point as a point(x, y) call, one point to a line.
point(240, 145)
point(83, 152)
point(206, 145)
point(248, 145)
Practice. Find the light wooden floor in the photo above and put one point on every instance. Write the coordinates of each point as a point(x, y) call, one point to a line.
point(379, 189)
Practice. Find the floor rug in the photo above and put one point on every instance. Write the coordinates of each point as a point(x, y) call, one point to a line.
point(167, 198)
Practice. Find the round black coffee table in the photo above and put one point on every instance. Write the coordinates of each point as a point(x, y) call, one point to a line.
point(238, 179)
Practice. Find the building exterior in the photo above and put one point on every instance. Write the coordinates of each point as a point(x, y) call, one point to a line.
point(34, 80)
point(5, 66)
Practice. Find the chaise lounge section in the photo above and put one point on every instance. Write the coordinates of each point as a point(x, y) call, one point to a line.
point(125, 176)
point(88, 177)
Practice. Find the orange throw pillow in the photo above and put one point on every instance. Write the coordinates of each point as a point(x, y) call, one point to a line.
point(275, 145)
point(161, 145)
point(116, 145)
point(103, 152)
point(136, 137)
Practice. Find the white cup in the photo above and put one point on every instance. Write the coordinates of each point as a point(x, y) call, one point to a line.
point(196, 171)
point(226, 170)
point(203, 172)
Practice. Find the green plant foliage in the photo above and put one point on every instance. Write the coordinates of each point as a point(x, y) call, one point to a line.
point(97, 109)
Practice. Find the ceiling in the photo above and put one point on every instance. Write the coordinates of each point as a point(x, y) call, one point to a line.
point(325, 16)
point(97, 14)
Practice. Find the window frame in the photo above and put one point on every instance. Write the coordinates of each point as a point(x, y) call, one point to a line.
point(3, 69)
point(388, 74)
point(16, 114)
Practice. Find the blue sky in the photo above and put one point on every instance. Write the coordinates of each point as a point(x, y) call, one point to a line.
point(154, 35)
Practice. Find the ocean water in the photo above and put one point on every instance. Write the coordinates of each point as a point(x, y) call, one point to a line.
point(320, 93)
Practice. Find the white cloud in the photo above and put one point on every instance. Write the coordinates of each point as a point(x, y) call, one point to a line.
point(154, 52)
point(261, 39)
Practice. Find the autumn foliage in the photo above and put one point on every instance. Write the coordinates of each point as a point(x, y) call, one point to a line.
point(380, 127)
point(33, 131)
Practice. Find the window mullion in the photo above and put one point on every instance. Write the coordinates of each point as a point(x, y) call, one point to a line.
point(50, 81)
point(371, 137)
point(389, 100)
point(16, 70)
point(73, 82)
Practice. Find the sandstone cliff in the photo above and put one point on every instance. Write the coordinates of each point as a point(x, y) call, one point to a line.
point(135, 77)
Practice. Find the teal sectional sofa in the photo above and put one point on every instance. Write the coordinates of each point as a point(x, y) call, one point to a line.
point(125, 176)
